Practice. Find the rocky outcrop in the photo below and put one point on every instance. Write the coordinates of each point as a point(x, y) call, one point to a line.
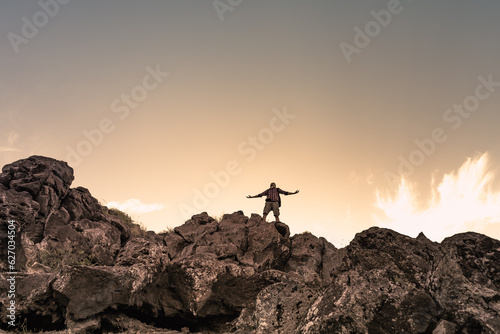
point(85, 269)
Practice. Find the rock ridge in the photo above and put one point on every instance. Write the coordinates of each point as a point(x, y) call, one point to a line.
point(83, 268)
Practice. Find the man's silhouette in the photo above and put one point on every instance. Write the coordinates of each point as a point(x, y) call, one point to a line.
point(273, 201)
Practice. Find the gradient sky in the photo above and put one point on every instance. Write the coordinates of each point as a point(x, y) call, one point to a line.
point(338, 99)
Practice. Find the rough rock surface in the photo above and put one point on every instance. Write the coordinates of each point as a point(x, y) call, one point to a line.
point(85, 269)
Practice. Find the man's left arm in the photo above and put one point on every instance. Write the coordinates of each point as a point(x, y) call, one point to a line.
point(287, 192)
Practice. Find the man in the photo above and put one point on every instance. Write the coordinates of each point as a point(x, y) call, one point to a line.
point(273, 201)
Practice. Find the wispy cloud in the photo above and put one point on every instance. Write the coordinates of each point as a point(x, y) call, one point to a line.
point(357, 178)
point(135, 206)
point(8, 149)
point(369, 177)
point(13, 138)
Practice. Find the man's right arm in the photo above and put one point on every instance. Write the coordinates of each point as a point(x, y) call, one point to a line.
point(259, 195)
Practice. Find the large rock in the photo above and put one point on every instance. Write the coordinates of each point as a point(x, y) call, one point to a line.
point(311, 257)
point(391, 283)
point(45, 179)
point(466, 282)
point(35, 301)
point(81, 205)
point(22, 210)
point(249, 242)
point(279, 308)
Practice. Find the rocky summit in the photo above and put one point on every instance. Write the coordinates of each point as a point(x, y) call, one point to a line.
point(80, 267)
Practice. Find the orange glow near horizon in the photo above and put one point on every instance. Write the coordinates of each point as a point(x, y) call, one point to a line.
point(463, 201)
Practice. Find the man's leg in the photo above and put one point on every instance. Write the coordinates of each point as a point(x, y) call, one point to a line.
point(267, 209)
point(276, 211)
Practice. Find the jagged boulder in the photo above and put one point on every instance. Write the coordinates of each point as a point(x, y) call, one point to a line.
point(311, 257)
point(55, 226)
point(36, 303)
point(249, 242)
point(279, 308)
point(80, 204)
point(23, 210)
point(218, 268)
point(45, 179)
point(391, 283)
point(466, 282)
point(87, 291)
point(30, 190)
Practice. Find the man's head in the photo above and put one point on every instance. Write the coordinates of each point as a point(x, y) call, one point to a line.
point(273, 185)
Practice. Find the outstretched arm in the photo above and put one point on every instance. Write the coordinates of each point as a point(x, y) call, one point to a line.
point(288, 193)
point(259, 195)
